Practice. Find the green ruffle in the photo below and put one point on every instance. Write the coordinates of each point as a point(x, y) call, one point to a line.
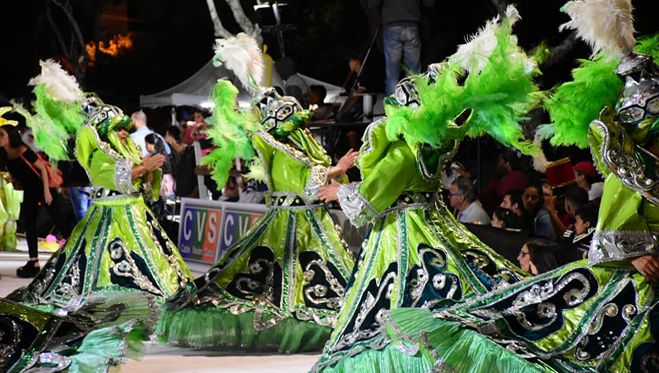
point(386, 360)
point(109, 346)
point(209, 326)
point(454, 348)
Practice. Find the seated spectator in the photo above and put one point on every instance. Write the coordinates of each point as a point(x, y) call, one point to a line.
point(588, 180)
point(504, 218)
point(574, 198)
point(231, 191)
point(538, 256)
point(320, 110)
point(510, 178)
point(577, 240)
point(463, 198)
point(540, 219)
point(514, 202)
point(451, 172)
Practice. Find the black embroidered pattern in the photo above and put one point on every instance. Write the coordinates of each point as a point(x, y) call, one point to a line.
point(323, 283)
point(428, 284)
point(263, 282)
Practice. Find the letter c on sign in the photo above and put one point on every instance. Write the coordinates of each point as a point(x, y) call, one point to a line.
point(187, 228)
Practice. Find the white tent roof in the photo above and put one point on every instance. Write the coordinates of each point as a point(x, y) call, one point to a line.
point(195, 90)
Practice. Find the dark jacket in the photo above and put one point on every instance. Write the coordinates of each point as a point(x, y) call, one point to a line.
point(400, 12)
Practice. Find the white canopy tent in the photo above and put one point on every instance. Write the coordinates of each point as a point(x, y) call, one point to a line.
point(195, 90)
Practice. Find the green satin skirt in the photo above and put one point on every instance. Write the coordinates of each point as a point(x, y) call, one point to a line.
point(277, 289)
point(574, 319)
point(118, 246)
point(413, 257)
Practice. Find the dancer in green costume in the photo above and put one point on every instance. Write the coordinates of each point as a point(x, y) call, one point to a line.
point(279, 287)
point(417, 254)
point(119, 245)
point(600, 315)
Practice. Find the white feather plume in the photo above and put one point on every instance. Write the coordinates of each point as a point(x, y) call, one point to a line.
point(540, 162)
point(606, 25)
point(243, 56)
point(474, 55)
point(61, 85)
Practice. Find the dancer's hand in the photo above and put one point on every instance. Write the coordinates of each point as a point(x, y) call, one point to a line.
point(348, 160)
point(329, 192)
point(648, 266)
point(151, 162)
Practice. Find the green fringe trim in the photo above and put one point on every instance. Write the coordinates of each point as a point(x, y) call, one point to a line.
point(109, 347)
point(455, 349)
point(387, 360)
point(209, 326)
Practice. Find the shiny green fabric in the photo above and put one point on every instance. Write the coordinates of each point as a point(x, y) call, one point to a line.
point(578, 318)
point(557, 338)
point(277, 288)
point(118, 246)
point(410, 258)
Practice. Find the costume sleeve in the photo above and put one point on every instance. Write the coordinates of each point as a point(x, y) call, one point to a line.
point(105, 166)
point(381, 187)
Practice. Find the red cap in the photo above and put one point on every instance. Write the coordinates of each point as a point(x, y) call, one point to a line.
point(585, 167)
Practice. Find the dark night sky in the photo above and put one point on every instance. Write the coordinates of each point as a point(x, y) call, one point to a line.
point(172, 39)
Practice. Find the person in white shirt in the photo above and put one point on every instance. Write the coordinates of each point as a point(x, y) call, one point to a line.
point(463, 198)
point(141, 131)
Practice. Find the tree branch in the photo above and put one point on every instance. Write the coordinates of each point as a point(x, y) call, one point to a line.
point(559, 51)
point(245, 24)
point(220, 31)
point(56, 31)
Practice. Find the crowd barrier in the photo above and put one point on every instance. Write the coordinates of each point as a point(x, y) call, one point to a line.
point(207, 228)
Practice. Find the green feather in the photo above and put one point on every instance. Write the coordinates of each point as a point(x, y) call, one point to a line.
point(229, 132)
point(498, 97)
point(54, 123)
point(577, 103)
point(649, 45)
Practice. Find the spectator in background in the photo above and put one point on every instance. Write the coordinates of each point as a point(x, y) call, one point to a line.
point(183, 165)
point(197, 129)
point(577, 240)
point(400, 23)
point(294, 85)
point(574, 198)
point(587, 179)
point(141, 131)
point(352, 109)
point(463, 198)
point(320, 110)
point(541, 225)
point(504, 218)
point(451, 172)
point(511, 178)
point(514, 202)
point(155, 145)
point(538, 256)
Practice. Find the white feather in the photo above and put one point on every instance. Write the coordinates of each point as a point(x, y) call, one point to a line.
point(243, 56)
point(474, 55)
point(61, 85)
point(540, 162)
point(606, 25)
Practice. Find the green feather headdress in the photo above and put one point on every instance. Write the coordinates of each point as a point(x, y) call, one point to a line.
point(58, 107)
point(229, 132)
point(498, 90)
point(595, 85)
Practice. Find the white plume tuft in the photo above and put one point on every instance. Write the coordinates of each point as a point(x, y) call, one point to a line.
point(243, 56)
point(540, 162)
point(474, 55)
point(606, 25)
point(61, 85)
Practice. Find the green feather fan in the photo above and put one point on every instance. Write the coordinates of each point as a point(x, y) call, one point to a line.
point(575, 104)
point(229, 132)
point(497, 96)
